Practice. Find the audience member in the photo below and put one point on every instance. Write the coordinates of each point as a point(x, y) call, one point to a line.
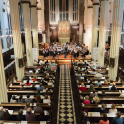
point(113, 109)
point(34, 78)
point(47, 92)
point(98, 83)
point(42, 117)
point(28, 99)
point(38, 108)
point(98, 75)
point(1, 112)
point(38, 99)
point(6, 115)
point(118, 119)
point(27, 106)
point(47, 100)
point(40, 87)
point(28, 83)
point(20, 100)
point(30, 116)
point(102, 109)
point(86, 101)
point(99, 87)
point(82, 88)
point(33, 87)
point(96, 100)
point(105, 120)
point(113, 87)
point(91, 87)
point(103, 94)
point(93, 94)
point(38, 93)
point(20, 116)
point(13, 99)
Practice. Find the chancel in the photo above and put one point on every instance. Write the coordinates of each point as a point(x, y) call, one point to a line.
point(61, 61)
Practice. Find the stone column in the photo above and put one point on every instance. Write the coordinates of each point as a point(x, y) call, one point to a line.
point(88, 24)
point(41, 20)
point(44, 38)
point(81, 20)
point(3, 90)
point(27, 27)
point(95, 24)
point(15, 22)
point(34, 23)
point(116, 36)
point(102, 31)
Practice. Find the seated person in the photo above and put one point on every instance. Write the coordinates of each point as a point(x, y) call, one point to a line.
point(28, 99)
point(38, 93)
point(28, 83)
point(47, 100)
point(20, 116)
point(99, 87)
point(96, 100)
point(43, 82)
point(93, 94)
point(41, 62)
point(98, 83)
point(6, 115)
point(1, 112)
point(98, 75)
point(50, 83)
point(47, 92)
point(118, 119)
point(42, 117)
point(30, 116)
point(86, 101)
point(34, 78)
point(38, 108)
point(13, 99)
point(113, 109)
point(103, 94)
point(40, 87)
point(93, 71)
point(91, 87)
point(91, 81)
point(27, 106)
point(102, 109)
point(82, 88)
point(105, 120)
point(113, 87)
point(20, 100)
point(33, 87)
point(105, 82)
point(22, 83)
point(38, 99)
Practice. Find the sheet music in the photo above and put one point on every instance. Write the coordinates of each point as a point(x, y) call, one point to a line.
point(23, 122)
point(10, 111)
point(24, 112)
point(108, 105)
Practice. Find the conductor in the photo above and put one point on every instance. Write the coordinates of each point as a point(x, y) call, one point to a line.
point(65, 51)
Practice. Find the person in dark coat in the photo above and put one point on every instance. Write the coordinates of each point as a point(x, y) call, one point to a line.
point(20, 116)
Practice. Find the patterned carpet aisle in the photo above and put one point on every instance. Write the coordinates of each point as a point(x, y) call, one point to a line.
point(66, 113)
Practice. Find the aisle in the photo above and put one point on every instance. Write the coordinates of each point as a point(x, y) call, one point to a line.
point(66, 112)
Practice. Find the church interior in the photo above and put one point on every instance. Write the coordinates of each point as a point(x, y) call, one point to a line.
point(61, 62)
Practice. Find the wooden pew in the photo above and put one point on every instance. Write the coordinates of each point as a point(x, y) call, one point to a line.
point(18, 87)
point(23, 92)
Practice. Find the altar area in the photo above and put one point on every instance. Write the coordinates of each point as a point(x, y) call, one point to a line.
point(64, 31)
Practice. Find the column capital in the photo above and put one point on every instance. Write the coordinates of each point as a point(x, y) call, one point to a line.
point(25, 1)
point(89, 7)
point(33, 6)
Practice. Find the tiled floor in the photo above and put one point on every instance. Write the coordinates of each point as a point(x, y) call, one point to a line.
point(65, 110)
